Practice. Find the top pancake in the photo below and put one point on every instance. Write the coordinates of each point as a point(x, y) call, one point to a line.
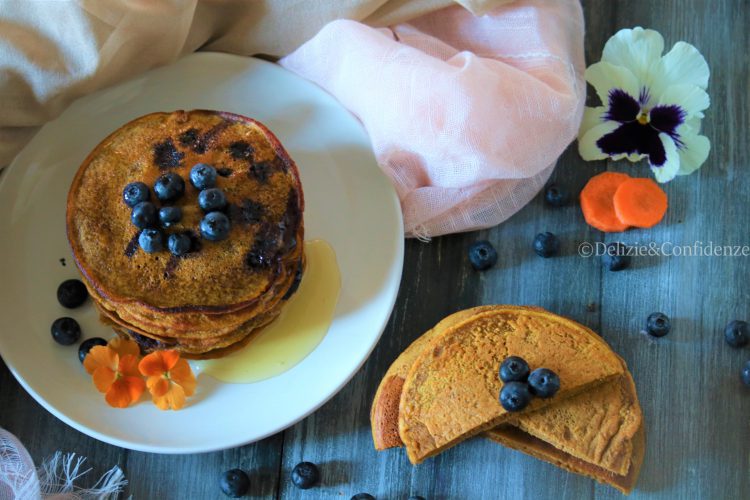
point(265, 204)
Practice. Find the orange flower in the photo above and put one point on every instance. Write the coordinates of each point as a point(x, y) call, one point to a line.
point(114, 368)
point(170, 379)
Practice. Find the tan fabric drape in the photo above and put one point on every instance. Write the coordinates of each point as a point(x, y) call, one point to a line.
point(52, 51)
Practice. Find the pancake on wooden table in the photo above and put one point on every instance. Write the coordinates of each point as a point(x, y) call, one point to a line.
point(595, 429)
point(220, 292)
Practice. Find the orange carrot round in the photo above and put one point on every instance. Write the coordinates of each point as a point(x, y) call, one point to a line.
point(597, 205)
point(640, 203)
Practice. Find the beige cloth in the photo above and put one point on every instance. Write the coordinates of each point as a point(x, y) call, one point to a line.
point(53, 51)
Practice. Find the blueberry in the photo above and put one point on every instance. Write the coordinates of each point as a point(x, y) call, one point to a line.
point(745, 374)
point(234, 483)
point(305, 475)
point(546, 245)
point(482, 255)
point(134, 193)
point(203, 176)
point(169, 186)
point(215, 226)
point(71, 293)
point(616, 257)
point(736, 333)
point(144, 215)
point(514, 369)
point(544, 383)
point(169, 216)
point(212, 199)
point(363, 496)
point(554, 196)
point(658, 324)
point(179, 243)
point(514, 396)
point(66, 331)
point(87, 345)
point(151, 240)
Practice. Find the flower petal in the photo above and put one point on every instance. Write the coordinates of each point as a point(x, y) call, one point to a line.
point(169, 358)
point(691, 98)
point(129, 366)
point(100, 356)
point(694, 151)
point(158, 386)
point(671, 165)
point(182, 374)
point(636, 49)
point(587, 147)
point(684, 65)
point(176, 397)
point(103, 377)
point(591, 118)
point(118, 395)
point(152, 365)
point(123, 346)
point(605, 77)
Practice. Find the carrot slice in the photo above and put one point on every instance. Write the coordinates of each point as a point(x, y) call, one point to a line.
point(640, 203)
point(596, 202)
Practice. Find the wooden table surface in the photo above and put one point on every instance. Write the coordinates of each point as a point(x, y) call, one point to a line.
point(696, 410)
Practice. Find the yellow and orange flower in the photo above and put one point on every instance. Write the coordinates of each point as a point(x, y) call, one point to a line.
point(170, 379)
point(114, 368)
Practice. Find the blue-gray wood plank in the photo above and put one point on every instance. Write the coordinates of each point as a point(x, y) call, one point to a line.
point(697, 413)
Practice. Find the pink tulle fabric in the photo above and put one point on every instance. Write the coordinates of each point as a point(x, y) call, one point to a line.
point(467, 114)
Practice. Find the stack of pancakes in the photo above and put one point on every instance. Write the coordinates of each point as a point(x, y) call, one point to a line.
point(444, 389)
point(211, 300)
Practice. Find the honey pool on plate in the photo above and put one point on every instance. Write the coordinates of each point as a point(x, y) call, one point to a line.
point(298, 330)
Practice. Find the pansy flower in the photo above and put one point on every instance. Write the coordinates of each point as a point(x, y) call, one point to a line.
point(170, 379)
point(653, 104)
point(114, 368)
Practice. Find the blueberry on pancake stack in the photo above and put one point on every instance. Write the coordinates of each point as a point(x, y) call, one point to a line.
point(188, 230)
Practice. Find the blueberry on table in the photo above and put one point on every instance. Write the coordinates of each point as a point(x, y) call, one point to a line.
point(616, 257)
point(305, 475)
point(363, 496)
point(212, 199)
point(179, 244)
point(482, 255)
point(144, 215)
point(134, 193)
point(515, 396)
point(544, 383)
point(658, 324)
point(169, 216)
point(554, 196)
point(514, 369)
point(72, 293)
point(169, 186)
point(87, 345)
point(203, 176)
point(546, 245)
point(737, 333)
point(66, 331)
point(215, 226)
point(745, 374)
point(234, 483)
point(151, 240)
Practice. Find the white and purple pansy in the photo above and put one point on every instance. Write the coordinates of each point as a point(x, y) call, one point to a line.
point(653, 104)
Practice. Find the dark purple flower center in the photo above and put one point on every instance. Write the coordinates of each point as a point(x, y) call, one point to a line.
point(639, 129)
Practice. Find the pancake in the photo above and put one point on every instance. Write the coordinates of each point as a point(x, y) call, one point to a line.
point(262, 187)
point(214, 298)
point(610, 450)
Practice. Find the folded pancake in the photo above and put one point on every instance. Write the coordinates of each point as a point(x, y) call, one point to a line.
point(609, 448)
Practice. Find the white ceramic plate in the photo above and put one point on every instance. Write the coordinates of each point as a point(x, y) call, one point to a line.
point(349, 203)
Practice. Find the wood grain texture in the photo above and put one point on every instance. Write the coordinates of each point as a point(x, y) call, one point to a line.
point(697, 413)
